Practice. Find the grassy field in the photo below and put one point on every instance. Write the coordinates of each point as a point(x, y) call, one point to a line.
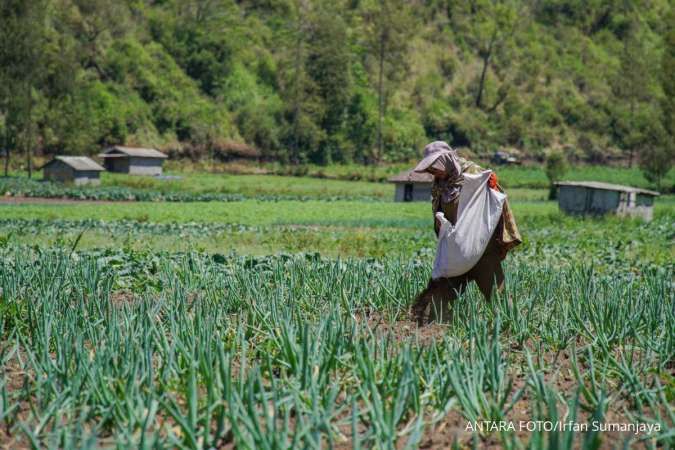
point(254, 212)
point(340, 228)
point(250, 212)
point(283, 324)
point(522, 183)
point(530, 176)
point(252, 185)
point(510, 177)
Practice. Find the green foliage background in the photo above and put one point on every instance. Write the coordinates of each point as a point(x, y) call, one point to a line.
point(298, 81)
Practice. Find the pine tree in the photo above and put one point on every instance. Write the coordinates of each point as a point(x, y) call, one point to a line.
point(22, 73)
point(328, 64)
point(388, 27)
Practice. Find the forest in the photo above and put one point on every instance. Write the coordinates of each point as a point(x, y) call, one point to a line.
point(340, 81)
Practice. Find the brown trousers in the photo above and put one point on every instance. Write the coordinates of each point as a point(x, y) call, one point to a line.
point(439, 294)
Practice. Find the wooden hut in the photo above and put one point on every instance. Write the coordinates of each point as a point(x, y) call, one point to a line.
point(596, 198)
point(72, 169)
point(133, 160)
point(412, 186)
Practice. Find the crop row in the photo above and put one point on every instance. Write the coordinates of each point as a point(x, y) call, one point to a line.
point(23, 187)
point(613, 247)
point(199, 351)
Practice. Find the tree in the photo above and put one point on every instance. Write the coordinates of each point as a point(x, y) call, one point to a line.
point(490, 25)
point(657, 157)
point(666, 76)
point(632, 86)
point(388, 27)
point(556, 167)
point(303, 106)
point(328, 64)
point(95, 24)
point(22, 73)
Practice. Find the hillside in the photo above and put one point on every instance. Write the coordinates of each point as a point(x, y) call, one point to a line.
point(310, 81)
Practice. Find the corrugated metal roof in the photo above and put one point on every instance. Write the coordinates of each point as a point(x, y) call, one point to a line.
point(606, 186)
point(77, 163)
point(133, 151)
point(409, 176)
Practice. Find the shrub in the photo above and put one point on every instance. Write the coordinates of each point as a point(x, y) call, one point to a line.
point(556, 167)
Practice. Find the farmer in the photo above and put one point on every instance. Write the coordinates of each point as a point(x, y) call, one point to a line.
point(447, 168)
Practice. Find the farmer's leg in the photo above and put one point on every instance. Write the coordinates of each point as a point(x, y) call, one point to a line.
point(434, 292)
point(441, 305)
point(436, 298)
point(489, 277)
point(488, 273)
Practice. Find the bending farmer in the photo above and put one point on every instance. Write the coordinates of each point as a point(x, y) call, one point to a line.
point(448, 168)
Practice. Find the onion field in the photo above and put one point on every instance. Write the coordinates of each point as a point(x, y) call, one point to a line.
point(285, 324)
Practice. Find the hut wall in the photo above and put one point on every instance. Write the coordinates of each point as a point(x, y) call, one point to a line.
point(119, 165)
point(145, 166)
point(645, 212)
point(417, 192)
point(421, 192)
point(585, 200)
point(636, 205)
point(572, 199)
point(87, 177)
point(58, 171)
point(602, 201)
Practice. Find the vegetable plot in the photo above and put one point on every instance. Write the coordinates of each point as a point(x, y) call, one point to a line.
point(158, 350)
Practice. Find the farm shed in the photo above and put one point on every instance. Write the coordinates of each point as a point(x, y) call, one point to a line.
point(412, 186)
point(133, 160)
point(72, 169)
point(596, 198)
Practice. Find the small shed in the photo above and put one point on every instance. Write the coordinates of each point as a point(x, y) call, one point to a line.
point(133, 160)
point(412, 186)
point(72, 169)
point(596, 198)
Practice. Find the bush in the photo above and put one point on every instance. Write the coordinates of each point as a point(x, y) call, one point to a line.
point(655, 163)
point(556, 167)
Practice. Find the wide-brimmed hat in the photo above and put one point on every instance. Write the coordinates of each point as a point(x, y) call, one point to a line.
point(431, 152)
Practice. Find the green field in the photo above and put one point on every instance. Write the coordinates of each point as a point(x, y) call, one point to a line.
point(529, 176)
point(124, 349)
point(250, 212)
point(264, 293)
point(284, 324)
point(252, 185)
point(185, 185)
point(330, 180)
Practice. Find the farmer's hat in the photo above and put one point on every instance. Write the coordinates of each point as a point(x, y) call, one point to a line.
point(431, 153)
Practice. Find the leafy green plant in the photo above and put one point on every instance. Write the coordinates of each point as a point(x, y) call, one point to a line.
point(556, 167)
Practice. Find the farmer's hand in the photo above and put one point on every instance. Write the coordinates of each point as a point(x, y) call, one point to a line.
point(492, 181)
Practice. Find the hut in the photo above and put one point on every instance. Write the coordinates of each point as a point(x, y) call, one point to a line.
point(133, 160)
point(596, 198)
point(72, 169)
point(412, 186)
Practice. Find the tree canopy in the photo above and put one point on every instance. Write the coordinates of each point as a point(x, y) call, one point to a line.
point(341, 80)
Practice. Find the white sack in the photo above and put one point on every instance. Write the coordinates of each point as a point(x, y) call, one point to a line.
point(461, 246)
